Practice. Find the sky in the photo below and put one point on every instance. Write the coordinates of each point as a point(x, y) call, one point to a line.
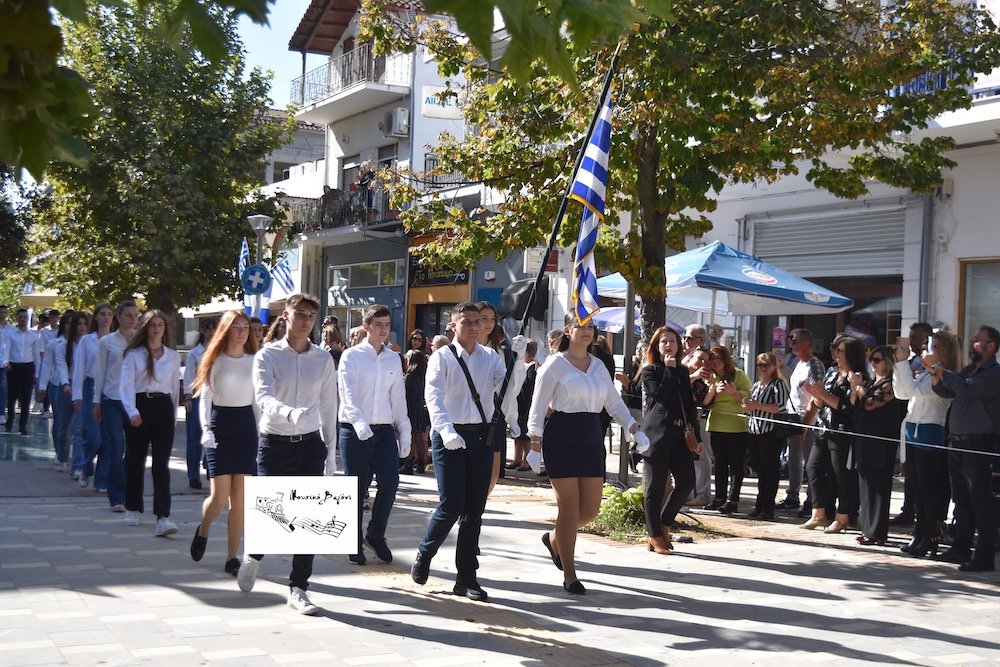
point(267, 47)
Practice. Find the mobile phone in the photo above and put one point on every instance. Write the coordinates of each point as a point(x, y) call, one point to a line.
point(930, 344)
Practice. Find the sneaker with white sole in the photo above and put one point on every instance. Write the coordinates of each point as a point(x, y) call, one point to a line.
point(247, 576)
point(298, 600)
point(118, 508)
point(164, 527)
point(84, 481)
point(131, 518)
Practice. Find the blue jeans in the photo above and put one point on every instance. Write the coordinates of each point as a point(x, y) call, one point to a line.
point(463, 479)
point(3, 391)
point(381, 455)
point(62, 416)
point(111, 455)
point(89, 432)
point(192, 424)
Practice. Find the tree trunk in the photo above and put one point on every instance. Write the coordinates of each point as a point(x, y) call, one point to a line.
point(652, 221)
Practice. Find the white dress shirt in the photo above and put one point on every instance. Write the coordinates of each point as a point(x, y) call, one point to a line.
point(372, 391)
point(84, 363)
point(191, 367)
point(53, 367)
point(5, 344)
point(108, 367)
point(565, 388)
point(24, 347)
point(449, 399)
point(286, 382)
point(166, 377)
point(230, 385)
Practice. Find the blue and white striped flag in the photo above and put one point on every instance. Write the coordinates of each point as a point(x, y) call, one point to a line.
point(281, 273)
point(244, 260)
point(589, 188)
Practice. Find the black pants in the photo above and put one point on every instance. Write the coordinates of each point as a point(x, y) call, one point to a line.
point(677, 460)
point(728, 450)
point(975, 509)
point(306, 458)
point(875, 490)
point(157, 430)
point(765, 458)
point(20, 380)
point(931, 487)
point(833, 486)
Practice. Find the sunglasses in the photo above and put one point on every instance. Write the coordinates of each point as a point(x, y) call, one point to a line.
point(416, 337)
point(762, 364)
point(877, 360)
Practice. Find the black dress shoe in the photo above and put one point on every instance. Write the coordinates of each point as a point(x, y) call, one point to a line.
point(728, 507)
point(977, 566)
point(380, 547)
point(788, 504)
point(198, 545)
point(954, 555)
point(547, 541)
point(421, 569)
point(766, 516)
point(576, 588)
point(715, 504)
point(358, 558)
point(232, 566)
point(471, 590)
point(194, 483)
point(901, 519)
point(755, 514)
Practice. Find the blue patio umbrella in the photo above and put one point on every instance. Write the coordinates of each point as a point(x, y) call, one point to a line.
point(612, 320)
point(720, 280)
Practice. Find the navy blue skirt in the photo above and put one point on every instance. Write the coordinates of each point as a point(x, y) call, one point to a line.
point(235, 432)
point(573, 445)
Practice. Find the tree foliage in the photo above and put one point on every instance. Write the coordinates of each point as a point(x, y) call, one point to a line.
point(726, 92)
point(178, 147)
point(16, 198)
point(45, 105)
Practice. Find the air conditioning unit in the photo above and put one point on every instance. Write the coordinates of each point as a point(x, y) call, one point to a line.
point(397, 122)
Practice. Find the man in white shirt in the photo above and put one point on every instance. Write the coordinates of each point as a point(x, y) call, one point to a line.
point(25, 357)
point(463, 457)
point(295, 385)
point(5, 328)
point(808, 369)
point(48, 333)
point(372, 412)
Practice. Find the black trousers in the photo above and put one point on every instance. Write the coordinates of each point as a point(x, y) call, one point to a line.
point(931, 487)
point(728, 450)
point(20, 380)
point(306, 458)
point(833, 486)
point(156, 431)
point(677, 460)
point(875, 491)
point(971, 485)
point(765, 458)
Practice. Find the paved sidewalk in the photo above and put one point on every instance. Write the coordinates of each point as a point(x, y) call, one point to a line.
point(78, 587)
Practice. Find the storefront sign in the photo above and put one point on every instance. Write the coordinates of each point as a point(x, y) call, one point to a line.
point(423, 276)
point(434, 106)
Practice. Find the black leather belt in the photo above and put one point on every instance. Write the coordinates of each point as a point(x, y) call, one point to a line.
point(470, 427)
point(152, 394)
point(291, 438)
point(381, 427)
point(958, 437)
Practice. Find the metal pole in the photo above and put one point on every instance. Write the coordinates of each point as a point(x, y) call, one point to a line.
point(628, 349)
point(260, 248)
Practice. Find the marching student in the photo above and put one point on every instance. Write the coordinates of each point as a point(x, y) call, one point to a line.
point(192, 424)
point(84, 378)
point(150, 383)
point(372, 413)
point(24, 360)
point(54, 388)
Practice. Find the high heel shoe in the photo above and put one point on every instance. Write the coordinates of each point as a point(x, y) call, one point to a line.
point(815, 522)
point(660, 545)
point(839, 524)
point(927, 545)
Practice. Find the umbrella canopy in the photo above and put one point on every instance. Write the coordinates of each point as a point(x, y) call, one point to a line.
point(612, 320)
point(720, 280)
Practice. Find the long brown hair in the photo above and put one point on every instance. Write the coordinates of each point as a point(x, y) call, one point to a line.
point(218, 344)
point(72, 337)
point(496, 335)
point(653, 351)
point(726, 357)
point(141, 337)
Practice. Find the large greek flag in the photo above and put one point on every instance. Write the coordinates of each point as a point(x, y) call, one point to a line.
point(589, 188)
point(281, 273)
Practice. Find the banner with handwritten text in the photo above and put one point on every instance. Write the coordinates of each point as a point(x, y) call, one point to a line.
point(301, 515)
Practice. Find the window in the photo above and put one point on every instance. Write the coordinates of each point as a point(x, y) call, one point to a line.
point(386, 273)
point(980, 299)
point(349, 167)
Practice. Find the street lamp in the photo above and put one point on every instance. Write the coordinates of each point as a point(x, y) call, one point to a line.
point(259, 224)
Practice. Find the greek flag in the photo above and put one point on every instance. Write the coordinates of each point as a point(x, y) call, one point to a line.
point(244, 261)
point(589, 188)
point(282, 276)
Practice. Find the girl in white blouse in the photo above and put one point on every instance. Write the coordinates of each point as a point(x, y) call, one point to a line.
point(150, 384)
point(571, 389)
point(224, 383)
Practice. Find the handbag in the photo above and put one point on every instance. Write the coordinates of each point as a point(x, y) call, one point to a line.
point(690, 437)
point(787, 424)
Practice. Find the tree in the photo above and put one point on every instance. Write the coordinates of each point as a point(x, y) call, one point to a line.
point(178, 148)
point(728, 92)
point(15, 218)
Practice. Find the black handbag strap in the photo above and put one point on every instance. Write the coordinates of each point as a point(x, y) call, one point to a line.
point(468, 377)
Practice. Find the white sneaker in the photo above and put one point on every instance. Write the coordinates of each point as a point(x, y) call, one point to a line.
point(247, 575)
point(299, 600)
point(118, 508)
point(63, 467)
point(164, 527)
point(84, 481)
point(131, 518)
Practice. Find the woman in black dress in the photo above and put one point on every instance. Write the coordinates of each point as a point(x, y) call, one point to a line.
point(416, 410)
point(668, 406)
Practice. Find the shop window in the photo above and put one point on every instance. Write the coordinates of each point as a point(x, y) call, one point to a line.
point(980, 296)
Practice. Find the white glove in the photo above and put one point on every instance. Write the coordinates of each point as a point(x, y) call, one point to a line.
point(404, 448)
point(457, 443)
point(365, 434)
point(534, 460)
point(641, 441)
point(296, 415)
point(330, 468)
point(519, 345)
point(515, 430)
point(208, 440)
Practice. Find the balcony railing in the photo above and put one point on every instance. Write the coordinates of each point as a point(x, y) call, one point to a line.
point(352, 68)
point(338, 208)
point(437, 180)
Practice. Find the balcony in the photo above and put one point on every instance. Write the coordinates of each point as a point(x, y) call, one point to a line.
point(351, 83)
point(343, 214)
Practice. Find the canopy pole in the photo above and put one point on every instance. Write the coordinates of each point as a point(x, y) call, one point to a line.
point(628, 349)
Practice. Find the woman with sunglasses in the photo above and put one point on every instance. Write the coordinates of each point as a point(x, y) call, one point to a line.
point(834, 487)
point(728, 427)
point(878, 414)
point(418, 341)
point(767, 398)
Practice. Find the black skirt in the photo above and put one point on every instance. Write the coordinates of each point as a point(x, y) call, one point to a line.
point(573, 445)
point(235, 432)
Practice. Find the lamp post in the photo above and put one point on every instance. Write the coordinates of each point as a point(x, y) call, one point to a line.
point(259, 224)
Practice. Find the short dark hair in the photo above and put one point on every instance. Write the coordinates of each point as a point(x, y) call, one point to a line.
point(21, 310)
point(992, 334)
point(531, 348)
point(922, 327)
point(296, 300)
point(376, 310)
point(464, 307)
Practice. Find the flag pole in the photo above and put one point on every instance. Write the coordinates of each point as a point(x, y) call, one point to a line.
point(559, 218)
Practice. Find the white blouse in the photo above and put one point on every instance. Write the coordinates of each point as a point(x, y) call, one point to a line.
point(230, 385)
point(564, 388)
point(166, 377)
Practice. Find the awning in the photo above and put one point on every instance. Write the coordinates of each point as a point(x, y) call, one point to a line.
point(45, 298)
